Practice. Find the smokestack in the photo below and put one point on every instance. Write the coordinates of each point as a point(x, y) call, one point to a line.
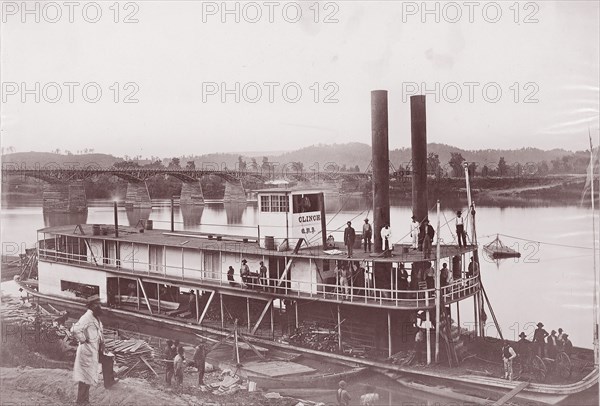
point(381, 176)
point(418, 127)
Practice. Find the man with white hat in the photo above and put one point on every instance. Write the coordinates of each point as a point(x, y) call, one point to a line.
point(88, 331)
point(367, 234)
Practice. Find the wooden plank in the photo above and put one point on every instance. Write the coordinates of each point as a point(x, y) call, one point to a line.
point(511, 394)
point(145, 296)
point(262, 315)
point(212, 294)
point(149, 366)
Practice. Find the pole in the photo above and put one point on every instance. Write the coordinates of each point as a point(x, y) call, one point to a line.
point(475, 317)
point(222, 314)
point(339, 326)
point(428, 328)
point(389, 320)
point(248, 312)
point(116, 221)
point(172, 214)
point(596, 321)
point(235, 339)
point(438, 291)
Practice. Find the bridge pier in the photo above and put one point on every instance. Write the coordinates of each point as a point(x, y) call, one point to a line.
point(191, 194)
point(234, 192)
point(137, 196)
point(64, 198)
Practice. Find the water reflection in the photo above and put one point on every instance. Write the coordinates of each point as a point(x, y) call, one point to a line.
point(135, 216)
point(234, 212)
point(192, 215)
point(61, 219)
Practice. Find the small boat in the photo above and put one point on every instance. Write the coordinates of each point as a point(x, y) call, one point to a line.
point(307, 381)
point(496, 250)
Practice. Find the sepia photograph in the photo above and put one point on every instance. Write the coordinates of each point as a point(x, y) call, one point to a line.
point(300, 203)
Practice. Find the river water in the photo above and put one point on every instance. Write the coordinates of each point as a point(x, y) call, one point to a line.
point(552, 282)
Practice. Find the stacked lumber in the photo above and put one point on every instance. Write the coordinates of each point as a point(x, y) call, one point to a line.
point(137, 356)
point(16, 311)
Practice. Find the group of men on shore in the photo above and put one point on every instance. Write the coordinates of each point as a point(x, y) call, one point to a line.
point(543, 345)
point(175, 362)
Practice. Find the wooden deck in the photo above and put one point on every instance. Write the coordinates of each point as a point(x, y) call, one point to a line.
point(249, 245)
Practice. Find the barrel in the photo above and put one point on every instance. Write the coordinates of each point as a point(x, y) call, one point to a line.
point(149, 225)
point(96, 229)
point(269, 242)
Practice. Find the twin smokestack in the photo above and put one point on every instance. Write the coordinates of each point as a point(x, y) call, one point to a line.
point(381, 161)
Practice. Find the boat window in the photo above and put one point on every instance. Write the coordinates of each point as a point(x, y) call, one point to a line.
point(79, 289)
point(306, 203)
point(264, 203)
point(274, 203)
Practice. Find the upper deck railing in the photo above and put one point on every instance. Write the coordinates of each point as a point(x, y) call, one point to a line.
point(365, 295)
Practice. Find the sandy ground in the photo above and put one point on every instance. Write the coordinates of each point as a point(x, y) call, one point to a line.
point(55, 386)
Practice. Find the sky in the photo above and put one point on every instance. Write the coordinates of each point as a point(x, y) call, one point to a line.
point(191, 77)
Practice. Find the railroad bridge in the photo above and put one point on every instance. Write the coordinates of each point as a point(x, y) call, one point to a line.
point(64, 191)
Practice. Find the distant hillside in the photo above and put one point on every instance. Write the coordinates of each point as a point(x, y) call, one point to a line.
point(349, 155)
point(34, 159)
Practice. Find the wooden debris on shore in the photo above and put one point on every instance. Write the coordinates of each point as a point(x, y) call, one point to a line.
point(17, 311)
point(320, 339)
point(136, 355)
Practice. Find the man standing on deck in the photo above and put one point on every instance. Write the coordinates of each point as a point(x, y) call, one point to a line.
point(460, 230)
point(552, 342)
point(263, 275)
point(245, 272)
point(414, 233)
point(508, 354)
point(539, 340)
point(386, 234)
point(88, 332)
point(472, 269)
point(367, 234)
point(349, 238)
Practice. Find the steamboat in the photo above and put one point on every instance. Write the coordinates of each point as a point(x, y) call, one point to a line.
point(185, 279)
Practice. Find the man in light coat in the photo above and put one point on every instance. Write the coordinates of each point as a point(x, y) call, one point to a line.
point(88, 332)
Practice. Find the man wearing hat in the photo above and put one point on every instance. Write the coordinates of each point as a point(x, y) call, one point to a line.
point(349, 237)
point(414, 233)
point(342, 395)
point(552, 342)
point(567, 346)
point(367, 234)
point(88, 332)
point(460, 230)
point(523, 350)
point(245, 272)
point(539, 340)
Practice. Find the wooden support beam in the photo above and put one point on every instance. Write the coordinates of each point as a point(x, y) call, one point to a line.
point(248, 312)
point(222, 314)
point(285, 272)
point(296, 310)
point(197, 307)
point(389, 320)
point(158, 296)
point(272, 324)
point(201, 319)
point(339, 328)
point(235, 341)
point(137, 288)
point(262, 315)
point(140, 284)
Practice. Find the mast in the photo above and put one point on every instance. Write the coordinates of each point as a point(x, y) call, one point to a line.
point(595, 332)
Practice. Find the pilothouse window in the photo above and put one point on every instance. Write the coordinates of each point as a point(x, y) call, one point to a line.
point(274, 203)
point(306, 203)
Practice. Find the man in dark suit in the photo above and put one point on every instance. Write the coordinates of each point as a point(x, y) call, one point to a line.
point(349, 237)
